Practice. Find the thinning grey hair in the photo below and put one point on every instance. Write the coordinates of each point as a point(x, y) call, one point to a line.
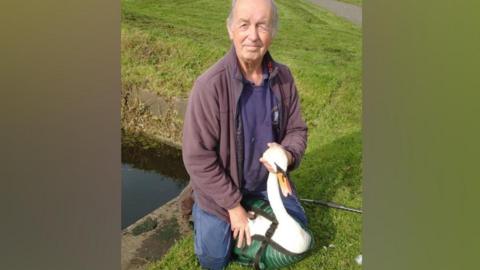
point(274, 16)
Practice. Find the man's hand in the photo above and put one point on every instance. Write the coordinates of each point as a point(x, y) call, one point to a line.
point(287, 153)
point(239, 225)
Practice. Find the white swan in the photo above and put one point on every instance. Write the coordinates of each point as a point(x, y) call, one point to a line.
point(289, 234)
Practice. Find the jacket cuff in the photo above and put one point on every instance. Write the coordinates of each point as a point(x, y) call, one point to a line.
point(233, 201)
point(296, 158)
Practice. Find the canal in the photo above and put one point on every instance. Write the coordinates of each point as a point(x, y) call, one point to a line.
point(151, 176)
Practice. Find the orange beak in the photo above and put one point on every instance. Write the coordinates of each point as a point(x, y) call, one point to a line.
point(284, 184)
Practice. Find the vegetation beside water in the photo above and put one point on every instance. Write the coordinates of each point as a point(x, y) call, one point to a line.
point(167, 44)
point(148, 225)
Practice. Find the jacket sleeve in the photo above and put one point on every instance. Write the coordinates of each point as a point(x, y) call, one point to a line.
point(201, 133)
point(295, 139)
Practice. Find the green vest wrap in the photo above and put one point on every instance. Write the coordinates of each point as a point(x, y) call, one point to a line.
point(264, 253)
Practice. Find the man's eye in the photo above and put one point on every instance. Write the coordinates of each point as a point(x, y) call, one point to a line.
point(263, 27)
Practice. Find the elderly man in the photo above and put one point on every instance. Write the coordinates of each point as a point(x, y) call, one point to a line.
point(238, 108)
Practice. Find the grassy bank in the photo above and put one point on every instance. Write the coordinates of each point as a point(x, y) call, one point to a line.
point(167, 44)
point(355, 2)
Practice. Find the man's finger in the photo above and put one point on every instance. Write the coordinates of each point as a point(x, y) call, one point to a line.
point(235, 233)
point(267, 165)
point(247, 235)
point(263, 161)
point(240, 239)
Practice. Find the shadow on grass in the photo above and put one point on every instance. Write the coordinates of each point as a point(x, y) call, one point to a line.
point(324, 171)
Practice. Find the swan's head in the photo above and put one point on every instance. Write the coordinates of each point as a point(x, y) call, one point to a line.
point(276, 156)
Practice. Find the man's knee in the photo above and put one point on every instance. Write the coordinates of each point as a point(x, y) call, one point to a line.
point(295, 209)
point(208, 262)
point(212, 239)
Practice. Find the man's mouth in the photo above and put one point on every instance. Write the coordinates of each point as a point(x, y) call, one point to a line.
point(252, 47)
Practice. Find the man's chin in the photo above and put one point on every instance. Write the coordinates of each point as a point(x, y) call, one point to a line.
point(252, 56)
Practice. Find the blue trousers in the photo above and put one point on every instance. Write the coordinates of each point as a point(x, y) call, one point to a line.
point(213, 236)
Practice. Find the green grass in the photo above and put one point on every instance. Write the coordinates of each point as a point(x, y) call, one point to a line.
point(355, 2)
point(167, 44)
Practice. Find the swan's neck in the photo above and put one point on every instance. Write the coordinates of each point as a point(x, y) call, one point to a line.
point(276, 202)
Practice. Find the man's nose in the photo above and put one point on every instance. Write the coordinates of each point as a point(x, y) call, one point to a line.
point(253, 33)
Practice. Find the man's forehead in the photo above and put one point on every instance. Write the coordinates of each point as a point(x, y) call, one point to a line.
point(259, 2)
point(257, 9)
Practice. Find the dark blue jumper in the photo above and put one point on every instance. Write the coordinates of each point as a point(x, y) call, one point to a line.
point(256, 105)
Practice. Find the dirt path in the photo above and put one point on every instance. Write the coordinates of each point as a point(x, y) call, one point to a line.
point(350, 12)
point(139, 250)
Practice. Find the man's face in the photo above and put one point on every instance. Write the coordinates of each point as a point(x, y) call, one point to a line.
point(251, 29)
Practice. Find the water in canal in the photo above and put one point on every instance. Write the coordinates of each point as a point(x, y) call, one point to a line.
point(150, 178)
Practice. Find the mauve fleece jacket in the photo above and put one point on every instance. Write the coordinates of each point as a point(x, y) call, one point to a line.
point(212, 147)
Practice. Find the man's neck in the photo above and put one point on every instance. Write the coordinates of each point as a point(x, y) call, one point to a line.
point(252, 71)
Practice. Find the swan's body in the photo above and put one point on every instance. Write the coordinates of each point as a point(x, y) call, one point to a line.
point(289, 233)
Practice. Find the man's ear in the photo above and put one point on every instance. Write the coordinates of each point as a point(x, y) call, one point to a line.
point(229, 31)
